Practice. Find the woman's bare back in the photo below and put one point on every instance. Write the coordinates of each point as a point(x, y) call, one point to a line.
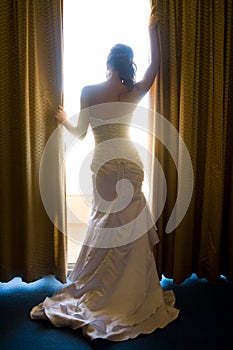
point(109, 91)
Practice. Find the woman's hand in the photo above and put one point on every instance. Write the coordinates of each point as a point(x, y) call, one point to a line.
point(154, 19)
point(60, 114)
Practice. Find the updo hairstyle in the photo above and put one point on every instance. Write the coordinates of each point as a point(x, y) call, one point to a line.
point(121, 60)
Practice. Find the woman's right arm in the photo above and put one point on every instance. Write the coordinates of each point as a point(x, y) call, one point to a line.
point(143, 86)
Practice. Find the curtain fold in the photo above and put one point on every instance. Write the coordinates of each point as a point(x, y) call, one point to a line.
point(194, 93)
point(30, 89)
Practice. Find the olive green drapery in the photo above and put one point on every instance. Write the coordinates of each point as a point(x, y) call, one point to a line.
point(30, 88)
point(194, 92)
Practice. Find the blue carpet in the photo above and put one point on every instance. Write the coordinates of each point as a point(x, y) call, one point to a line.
point(205, 320)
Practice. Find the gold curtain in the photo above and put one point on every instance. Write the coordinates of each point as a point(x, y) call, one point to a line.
point(30, 89)
point(194, 92)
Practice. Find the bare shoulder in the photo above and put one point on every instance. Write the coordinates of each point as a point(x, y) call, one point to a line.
point(92, 89)
point(89, 89)
point(87, 94)
point(86, 90)
point(94, 94)
point(134, 95)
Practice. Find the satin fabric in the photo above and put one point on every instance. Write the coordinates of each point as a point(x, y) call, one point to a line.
point(114, 291)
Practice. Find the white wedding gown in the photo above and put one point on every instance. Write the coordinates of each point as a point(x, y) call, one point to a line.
point(114, 291)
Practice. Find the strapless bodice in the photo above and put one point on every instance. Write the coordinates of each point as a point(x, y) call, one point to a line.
point(112, 142)
point(110, 131)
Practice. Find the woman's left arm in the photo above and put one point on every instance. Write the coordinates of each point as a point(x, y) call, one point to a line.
point(80, 130)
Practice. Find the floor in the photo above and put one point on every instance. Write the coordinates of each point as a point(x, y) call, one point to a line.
point(205, 321)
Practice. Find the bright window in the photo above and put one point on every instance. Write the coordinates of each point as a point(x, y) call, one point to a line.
point(91, 28)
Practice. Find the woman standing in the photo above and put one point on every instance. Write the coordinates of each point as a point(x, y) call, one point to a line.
point(114, 291)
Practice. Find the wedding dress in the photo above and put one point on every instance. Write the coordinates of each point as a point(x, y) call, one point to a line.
point(114, 291)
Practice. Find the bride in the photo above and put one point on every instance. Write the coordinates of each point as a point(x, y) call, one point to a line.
point(114, 291)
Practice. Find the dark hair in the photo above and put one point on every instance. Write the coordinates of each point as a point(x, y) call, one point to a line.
point(121, 59)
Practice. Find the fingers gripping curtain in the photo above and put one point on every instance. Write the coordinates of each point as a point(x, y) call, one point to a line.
point(31, 85)
point(193, 92)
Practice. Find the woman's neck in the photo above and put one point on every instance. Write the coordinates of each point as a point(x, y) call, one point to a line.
point(113, 77)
